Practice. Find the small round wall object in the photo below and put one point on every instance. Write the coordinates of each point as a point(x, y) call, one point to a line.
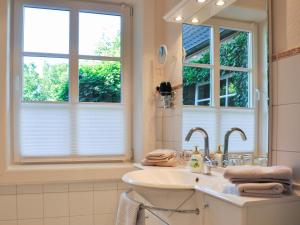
point(162, 54)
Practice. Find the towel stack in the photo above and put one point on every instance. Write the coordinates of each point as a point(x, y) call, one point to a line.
point(258, 181)
point(160, 157)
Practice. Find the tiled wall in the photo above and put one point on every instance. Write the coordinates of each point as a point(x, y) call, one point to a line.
point(168, 124)
point(286, 113)
point(60, 204)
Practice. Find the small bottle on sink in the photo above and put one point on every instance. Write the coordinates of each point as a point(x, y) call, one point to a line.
point(219, 156)
point(196, 161)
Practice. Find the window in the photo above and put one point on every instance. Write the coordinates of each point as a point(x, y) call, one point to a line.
point(218, 76)
point(71, 82)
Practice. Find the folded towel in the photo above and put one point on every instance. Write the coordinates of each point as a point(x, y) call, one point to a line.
point(160, 157)
point(129, 212)
point(163, 163)
point(261, 189)
point(287, 184)
point(161, 154)
point(258, 172)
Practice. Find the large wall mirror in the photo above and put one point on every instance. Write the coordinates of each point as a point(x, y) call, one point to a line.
point(225, 81)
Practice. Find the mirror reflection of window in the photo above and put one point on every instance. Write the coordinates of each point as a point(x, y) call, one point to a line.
point(235, 64)
point(217, 85)
point(197, 65)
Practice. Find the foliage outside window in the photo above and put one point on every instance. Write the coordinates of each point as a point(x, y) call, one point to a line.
point(233, 53)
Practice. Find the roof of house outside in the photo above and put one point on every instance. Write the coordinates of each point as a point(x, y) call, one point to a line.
point(197, 38)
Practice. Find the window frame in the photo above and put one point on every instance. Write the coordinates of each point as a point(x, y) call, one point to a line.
point(216, 68)
point(74, 7)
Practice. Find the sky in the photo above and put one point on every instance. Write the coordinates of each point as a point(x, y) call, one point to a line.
point(47, 30)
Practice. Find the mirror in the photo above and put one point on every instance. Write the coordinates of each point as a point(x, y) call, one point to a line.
point(225, 81)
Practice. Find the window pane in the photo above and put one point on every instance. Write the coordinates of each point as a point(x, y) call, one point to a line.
point(234, 89)
point(100, 129)
point(234, 48)
point(99, 81)
point(99, 34)
point(196, 86)
point(45, 79)
point(196, 43)
point(46, 30)
point(45, 130)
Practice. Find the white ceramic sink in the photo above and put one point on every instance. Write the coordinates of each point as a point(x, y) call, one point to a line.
point(165, 179)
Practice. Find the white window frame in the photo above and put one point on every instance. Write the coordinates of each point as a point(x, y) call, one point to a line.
point(125, 58)
point(197, 99)
point(216, 68)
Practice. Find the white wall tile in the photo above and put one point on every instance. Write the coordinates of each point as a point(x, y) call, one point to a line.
point(275, 83)
point(158, 145)
point(56, 221)
point(274, 158)
point(81, 203)
point(105, 201)
point(168, 129)
point(8, 190)
point(9, 222)
point(56, 188)
point(82, 220)
point(104, 219)
point(274, 127)
point(288, 128)
point(30, 206)
point(8, 207)
point(159, 128)
point(289, 80)
point(56, 204)
point(80, 187)
point(102, 186)
point(168, 145)
point(30, 189)
point(30, 222)
point(291, 159)
point(53, 204)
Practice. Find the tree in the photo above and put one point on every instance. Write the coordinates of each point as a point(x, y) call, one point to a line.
point(98, 82)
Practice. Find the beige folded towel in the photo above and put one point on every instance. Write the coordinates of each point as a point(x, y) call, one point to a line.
point(287, 184)
point(258, 172)
point(129, 212)
point(261, 189)
point(163, 163)
point(161, 154)
point(160, 157)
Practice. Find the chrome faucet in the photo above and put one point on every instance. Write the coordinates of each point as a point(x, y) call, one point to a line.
point(226, 142)
point(205, 135)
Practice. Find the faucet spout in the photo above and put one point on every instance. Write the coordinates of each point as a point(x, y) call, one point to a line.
point(205, 135)
point(226, 141)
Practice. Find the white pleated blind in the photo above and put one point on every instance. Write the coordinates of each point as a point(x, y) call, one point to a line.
point(63, 130)
point(217, 122)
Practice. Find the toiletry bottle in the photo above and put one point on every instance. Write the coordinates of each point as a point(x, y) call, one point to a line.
point(196, 161)
point(219, 156)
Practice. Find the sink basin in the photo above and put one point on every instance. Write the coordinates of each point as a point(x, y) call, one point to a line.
point(163, 179)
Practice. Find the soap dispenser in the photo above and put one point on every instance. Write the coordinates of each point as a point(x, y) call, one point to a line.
point(196, 161)
point(219, 156)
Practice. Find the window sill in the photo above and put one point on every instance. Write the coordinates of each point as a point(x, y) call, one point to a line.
point(57, 173)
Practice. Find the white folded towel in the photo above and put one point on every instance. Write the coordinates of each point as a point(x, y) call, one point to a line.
point(129, 212)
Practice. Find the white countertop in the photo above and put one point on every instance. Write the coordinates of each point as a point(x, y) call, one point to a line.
point(217, 186)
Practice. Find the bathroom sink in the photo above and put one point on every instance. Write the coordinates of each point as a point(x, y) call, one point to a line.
point(163, 179)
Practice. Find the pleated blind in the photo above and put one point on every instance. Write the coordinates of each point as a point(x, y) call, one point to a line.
point(217, 122)
point(53, 130)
